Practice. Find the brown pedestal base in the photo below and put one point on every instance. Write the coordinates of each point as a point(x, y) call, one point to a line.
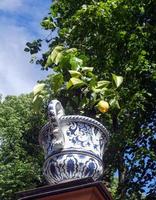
point(85, 189)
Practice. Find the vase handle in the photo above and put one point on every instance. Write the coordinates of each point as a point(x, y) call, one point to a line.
point(55, 112)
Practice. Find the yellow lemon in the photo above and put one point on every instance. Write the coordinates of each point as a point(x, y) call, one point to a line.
point(103, 106)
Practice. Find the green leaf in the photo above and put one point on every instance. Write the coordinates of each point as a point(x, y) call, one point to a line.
point(101, 84)
point(49, 61)
point(48, 23)
point(96, 90)
point(38, 88)
point(76, 63)
point(114, 103)
point(58, 58)
point(117, 79)
point(75, 82)
point(37, 103)
point(59, 48)
point(74, 73)
point(55, 53)
point(71, 50)
point(99, 90)
point(26, 49)
point(57, 82)
point(69, 84)
point(87, 69)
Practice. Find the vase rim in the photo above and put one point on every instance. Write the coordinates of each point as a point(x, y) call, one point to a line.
point(76, 118)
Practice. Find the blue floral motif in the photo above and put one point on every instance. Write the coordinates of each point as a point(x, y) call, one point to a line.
point(62, 167)
point(90, 169)
point(72, 128)
point(79, 133)
point(70, 166)
point(85, 128)
point(82, 154)
point(86, 136)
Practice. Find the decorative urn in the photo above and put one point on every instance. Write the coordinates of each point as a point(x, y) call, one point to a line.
point(74, 146)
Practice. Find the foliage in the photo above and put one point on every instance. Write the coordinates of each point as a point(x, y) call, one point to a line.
point(71, 73)
point(20, 156)
point(96, 43)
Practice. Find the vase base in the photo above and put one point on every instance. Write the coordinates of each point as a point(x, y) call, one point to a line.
point(61, 168)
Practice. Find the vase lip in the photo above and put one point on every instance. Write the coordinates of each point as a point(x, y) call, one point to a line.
point(76, 118)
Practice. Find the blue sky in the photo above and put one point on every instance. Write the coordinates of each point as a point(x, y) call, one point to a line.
point(19, 23)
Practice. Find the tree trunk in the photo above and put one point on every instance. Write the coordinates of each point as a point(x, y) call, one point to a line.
point(121, 191)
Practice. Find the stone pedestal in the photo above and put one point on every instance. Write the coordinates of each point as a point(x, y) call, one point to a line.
point(84, 189)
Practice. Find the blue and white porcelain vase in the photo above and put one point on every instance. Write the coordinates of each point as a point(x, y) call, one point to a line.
point(74, 146)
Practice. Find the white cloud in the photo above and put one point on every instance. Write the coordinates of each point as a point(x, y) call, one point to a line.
point(16, 74)
point(10, 5)
point(19, 23)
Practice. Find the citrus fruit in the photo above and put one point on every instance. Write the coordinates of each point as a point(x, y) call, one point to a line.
point(103, 106)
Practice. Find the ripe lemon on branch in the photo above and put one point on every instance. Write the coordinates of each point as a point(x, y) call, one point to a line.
point(103, 106)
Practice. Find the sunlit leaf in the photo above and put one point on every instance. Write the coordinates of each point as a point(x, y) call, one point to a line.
point(87, 69)
point(38, 88)
point(117, 79)
point(74, 73)
point(58, 58)
point(72, 50)
point(75, 82)
point(49, 61)
point(75, 63)
point(55, 53)
point(101, 84)
point(114, 103)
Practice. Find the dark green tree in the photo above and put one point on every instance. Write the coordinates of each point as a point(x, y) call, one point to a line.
point(21, 158)
point(93, 44)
